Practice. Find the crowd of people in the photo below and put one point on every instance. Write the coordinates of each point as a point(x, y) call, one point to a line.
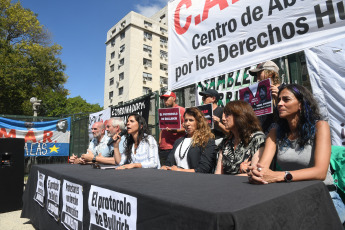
point(292, 144)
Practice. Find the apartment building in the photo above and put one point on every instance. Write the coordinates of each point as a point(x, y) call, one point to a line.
point(136, 57)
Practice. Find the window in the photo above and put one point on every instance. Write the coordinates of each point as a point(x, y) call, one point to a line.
point(147, 76)
point(147, 24)
point(122, 48)
point(111, 94)
point(163, 54)
point(163, 66)
point(111, 81)
point(112, 55)
point(111, 68)
point(163, 30)
point(163, 80)
point(123, 24)
point(121, 62)
point(147, 35)
point(112, 42)
point(120, 91)
point(164, 41)
point(121, 76)
point(122, 35)
point(147, 62)
point(113, 31)
point(147, 49)
point(146, 90)
point(162, 17)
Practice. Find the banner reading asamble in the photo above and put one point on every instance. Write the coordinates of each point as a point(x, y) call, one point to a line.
point(210, 38)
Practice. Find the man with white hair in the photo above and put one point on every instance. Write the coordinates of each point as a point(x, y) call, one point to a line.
point(101, 149)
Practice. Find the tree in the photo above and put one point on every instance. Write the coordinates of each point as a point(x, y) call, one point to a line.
point(79, 105)
point(29, 66)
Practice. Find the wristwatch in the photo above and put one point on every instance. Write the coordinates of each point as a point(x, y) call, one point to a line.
point(94, 159)
point(288, 176)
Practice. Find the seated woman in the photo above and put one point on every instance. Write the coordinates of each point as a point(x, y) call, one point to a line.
point(141, 149)
point(303, 144)
point(194, 152)
point(244, 143)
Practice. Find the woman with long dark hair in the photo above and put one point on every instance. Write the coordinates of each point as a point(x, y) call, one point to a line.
point(141, 149)
point(246, 139)
point(195, 152)
point(303, 144)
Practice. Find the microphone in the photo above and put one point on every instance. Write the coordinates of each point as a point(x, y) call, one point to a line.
point(111, 141)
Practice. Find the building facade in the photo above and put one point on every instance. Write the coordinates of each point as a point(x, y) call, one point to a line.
point(136, 57)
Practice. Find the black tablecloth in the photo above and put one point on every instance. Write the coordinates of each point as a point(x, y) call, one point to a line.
point(179, 200)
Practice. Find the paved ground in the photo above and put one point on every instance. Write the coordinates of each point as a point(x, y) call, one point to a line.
point(12, 221)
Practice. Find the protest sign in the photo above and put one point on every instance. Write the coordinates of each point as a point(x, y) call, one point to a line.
point(227, 85)
point(40, 190)
point(53, 199)
point(211, 38)
point(48, 138)
point(207, 110)
point(141, 106)
point(169, 118)
point(101, 116)
point(259, 96)
point(72, 205)
point(111, 210)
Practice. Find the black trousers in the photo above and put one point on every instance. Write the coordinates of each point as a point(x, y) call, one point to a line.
point(163, 155)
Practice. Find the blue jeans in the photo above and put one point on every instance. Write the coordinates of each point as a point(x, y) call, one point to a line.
point(339, 205)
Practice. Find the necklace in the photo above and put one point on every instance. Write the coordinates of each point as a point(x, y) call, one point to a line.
point(184, 154)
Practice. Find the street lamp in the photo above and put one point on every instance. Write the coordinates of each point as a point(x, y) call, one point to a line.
point(35, 105)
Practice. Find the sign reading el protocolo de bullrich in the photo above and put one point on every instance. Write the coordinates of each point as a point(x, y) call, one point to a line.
point(111, 210)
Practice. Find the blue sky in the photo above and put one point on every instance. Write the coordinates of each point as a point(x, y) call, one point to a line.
point(80, 27)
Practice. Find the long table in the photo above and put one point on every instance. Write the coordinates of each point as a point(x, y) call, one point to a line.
point(179, 200)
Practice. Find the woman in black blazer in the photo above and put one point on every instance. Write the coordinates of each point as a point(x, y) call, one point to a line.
point(195, 152)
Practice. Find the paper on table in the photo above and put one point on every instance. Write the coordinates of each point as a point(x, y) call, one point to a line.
point(109, 167)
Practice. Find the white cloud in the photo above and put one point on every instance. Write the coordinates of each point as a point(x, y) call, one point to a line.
point(149, 10)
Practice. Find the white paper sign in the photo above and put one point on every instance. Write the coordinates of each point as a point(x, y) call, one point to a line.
point(40, 191)
point(112, 210)
point(53, 197)
point(101, 116)
point(211, 38)
point(72, 205)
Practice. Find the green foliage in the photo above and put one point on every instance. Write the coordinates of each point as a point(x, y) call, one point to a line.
point(79, 105)
point(28, 66)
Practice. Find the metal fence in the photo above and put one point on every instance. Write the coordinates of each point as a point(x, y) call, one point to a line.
point(79, 139)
